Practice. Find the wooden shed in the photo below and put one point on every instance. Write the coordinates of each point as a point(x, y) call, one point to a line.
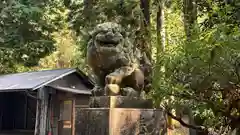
point(42, 102)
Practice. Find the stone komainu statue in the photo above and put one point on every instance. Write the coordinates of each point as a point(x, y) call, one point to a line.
point(119, 67)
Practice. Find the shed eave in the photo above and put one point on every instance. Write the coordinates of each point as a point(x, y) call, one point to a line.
point(53, 79)
point(13, 90)
point(71, 90)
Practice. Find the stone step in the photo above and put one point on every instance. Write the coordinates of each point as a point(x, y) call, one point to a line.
point(120, 102)
point(120, 121)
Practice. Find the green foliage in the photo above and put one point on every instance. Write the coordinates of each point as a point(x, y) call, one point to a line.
point(64, 54)
point(25, 32)
point(218, 11)
point(83, 16)
point(202, 73)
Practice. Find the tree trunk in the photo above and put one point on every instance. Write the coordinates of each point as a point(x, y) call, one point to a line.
point(145, 45)
point(87, 7)
point(190, 16)
point(87, 11)
point(161, 32)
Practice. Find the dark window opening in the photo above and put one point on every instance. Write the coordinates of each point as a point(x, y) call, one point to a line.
point(17, 114)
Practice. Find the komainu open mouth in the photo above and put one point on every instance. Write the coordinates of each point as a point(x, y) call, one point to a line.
point(108, 42)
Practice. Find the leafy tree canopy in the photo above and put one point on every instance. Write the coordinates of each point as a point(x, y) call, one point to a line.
point(25, 31)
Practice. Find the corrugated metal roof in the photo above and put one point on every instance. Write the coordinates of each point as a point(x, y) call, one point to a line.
point(32, 80)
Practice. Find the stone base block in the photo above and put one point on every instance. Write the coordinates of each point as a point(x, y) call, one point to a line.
point(120, 121)
point(120, 102)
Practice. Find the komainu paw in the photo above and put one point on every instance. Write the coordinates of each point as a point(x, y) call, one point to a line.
point(112, 89)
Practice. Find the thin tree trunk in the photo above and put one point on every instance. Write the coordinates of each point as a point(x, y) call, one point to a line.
point(145, 5)
point(145, 42)
point(190, 16)
point(161, 32)
point(87, 11)
point(145, 28)
point(161, 41)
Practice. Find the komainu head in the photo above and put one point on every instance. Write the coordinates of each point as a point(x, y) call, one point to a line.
point(108, 47)
point(108, 34)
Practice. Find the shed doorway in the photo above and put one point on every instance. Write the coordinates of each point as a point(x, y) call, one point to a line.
point(17, 113)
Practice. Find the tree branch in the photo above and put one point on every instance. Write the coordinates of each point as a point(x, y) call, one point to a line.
point(201, 128)
point(216, 108)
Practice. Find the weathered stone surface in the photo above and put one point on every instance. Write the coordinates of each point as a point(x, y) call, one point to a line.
point(136, 121)
point(120, 121)
point(90, 121)
point(120, 102)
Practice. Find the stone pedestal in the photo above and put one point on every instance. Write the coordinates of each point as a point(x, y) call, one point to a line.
point(120, 102)
point(118, 115)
